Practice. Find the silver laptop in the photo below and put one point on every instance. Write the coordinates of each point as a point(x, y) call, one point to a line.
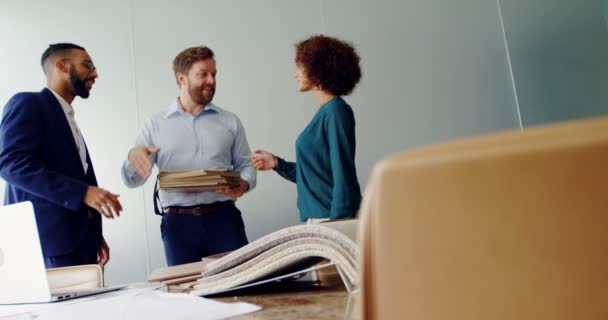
point(23, 276)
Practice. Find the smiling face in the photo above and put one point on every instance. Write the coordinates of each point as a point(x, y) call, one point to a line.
point(200, 81)
point(81, 72)
point(303, 82)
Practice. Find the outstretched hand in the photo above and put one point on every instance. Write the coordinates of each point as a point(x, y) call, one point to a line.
point(103, 201)
point(264, 160)
point(139, 159)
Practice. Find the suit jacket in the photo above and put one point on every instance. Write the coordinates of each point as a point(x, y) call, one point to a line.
point(39, 161)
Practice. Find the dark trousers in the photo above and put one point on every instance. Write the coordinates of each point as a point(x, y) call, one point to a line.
point(188, 238)
point(86, 253)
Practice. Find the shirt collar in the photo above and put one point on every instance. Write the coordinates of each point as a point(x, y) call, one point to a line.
point(67, 108)
point(176, 109)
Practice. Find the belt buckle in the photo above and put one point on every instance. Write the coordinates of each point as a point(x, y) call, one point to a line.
point(197, 211)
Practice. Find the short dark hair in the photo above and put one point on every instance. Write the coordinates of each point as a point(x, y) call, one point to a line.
point(57, 49)
point(330, 63)
point(185, 59)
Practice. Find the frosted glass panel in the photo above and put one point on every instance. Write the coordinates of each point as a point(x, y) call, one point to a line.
point(432, 70)
point(559, 54)
point(105, 119)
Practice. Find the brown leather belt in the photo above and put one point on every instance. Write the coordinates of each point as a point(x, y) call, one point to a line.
point(201, 208)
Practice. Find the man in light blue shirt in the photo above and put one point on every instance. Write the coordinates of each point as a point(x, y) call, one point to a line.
point(195, 134)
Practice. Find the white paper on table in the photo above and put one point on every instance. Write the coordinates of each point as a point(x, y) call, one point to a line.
point(14, 310)
point(140, 304)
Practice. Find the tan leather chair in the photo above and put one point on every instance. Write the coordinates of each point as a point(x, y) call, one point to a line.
point(73, 278)
point(505, 226)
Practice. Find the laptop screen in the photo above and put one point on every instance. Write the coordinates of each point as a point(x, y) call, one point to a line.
point(22, 271)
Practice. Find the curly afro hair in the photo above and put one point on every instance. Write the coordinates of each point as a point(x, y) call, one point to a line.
point(330, 63)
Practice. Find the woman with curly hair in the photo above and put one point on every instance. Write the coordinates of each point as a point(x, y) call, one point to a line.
point(324, 171)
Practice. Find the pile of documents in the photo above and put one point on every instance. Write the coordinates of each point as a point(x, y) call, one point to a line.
point(281, 255)
point(198, 180)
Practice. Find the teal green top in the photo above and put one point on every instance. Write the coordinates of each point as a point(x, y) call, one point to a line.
point(324, 171)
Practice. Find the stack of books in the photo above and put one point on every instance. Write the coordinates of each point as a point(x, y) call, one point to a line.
point(198, 180)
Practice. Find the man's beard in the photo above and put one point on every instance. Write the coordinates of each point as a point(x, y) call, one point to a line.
point(196, 94)
point(79, 85)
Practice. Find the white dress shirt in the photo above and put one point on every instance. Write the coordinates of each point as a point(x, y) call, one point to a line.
point(212, 139)
point(69, 114)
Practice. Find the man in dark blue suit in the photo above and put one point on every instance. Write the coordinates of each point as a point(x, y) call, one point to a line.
point(44, 159)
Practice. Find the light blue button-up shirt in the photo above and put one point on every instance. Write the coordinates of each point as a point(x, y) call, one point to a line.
point(212, 139)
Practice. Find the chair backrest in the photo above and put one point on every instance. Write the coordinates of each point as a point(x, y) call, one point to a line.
point(504, 226)
point(75, 278)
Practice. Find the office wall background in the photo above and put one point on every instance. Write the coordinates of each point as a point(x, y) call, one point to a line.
point(433, 70)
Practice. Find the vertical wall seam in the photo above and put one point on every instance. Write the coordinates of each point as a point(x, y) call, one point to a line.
point(138, 118)
point(509, 65)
